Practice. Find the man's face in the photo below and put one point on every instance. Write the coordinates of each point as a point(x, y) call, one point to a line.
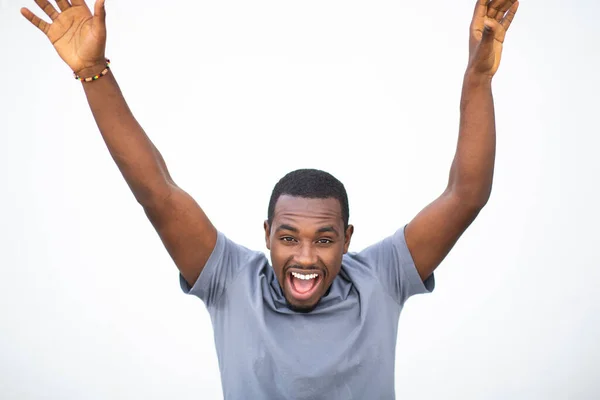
point(307, 241)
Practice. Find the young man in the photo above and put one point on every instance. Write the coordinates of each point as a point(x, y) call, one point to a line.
point(320, 322)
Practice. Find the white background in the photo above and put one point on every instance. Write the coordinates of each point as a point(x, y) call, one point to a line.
point(236, 94)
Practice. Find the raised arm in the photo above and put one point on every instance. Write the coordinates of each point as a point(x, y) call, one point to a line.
point(80, 38)
point(433, 232)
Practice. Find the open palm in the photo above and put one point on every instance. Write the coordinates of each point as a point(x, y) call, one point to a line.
point(491, 21)
point(78, 36)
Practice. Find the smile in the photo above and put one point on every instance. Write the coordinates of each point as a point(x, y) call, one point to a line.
point(305, 277)
point(302, 286)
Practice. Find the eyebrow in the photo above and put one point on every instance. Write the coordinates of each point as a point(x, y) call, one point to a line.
point(285, 227)
point(325, 229)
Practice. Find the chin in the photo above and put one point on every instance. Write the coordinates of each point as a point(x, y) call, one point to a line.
point(301, 308)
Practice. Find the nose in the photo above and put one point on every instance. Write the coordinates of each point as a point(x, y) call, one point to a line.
point(306, 256)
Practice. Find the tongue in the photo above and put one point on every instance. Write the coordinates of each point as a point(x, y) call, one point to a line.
point(303, 285)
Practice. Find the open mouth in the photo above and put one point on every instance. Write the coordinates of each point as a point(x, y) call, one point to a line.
point(303, 285)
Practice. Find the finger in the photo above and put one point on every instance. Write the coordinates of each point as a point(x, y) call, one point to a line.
point(100, 11)
point(493, 8)
point(487, 39)
point(497, 8)
point(36, 21)
point(510, 16)
point(78, 2)
point(47, 8)
point(480, 8)
point(63, 4)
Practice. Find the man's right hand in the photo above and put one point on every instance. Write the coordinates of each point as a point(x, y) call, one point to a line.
point(78, 36)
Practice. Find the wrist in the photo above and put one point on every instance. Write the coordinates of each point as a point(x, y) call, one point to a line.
point(91, 70)
point(477, 79)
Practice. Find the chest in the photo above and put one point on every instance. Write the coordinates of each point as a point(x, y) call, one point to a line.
point(330, 350)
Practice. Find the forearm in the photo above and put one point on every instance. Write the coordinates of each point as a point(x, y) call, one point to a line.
point(472, 170)
point(136, 156)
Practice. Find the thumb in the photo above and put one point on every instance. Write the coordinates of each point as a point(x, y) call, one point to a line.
point(488, 37)
point(100, 11)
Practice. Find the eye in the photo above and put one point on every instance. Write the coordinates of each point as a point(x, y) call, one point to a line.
point(288, 239)
point(325, 241)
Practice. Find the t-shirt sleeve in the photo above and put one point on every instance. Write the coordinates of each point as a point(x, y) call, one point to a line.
point(226, 259)
point(393, 264)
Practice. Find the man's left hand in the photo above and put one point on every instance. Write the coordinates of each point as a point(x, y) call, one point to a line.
point(491, 21)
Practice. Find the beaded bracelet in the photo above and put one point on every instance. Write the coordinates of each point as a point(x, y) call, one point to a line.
point(95, 77)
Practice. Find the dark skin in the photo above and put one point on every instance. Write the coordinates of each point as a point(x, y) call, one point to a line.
point(79, 37)
point(307, 236)
point(435, 230)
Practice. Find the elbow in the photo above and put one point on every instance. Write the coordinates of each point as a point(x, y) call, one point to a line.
point(475, 198)
point(149, 196)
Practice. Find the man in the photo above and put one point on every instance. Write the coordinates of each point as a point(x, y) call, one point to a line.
point(320, 322)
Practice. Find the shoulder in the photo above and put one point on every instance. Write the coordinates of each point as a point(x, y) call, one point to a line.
point(238, 257)
point(385, 257)
point(226, 264)
point(357, 266)
point(379, 251)
point(229, 250)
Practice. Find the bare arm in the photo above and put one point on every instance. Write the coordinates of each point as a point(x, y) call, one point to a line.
point(182, 225)
point(133, 152)
point(80, 38)
point(435, 230)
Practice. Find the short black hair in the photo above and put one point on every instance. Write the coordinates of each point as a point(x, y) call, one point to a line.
point(310, 184)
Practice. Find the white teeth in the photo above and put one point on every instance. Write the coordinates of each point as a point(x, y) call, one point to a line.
point(305, 277)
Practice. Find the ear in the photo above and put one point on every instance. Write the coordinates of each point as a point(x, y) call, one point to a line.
point(348, 237)
point(267, 234)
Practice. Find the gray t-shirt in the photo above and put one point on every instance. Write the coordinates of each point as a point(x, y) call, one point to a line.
point(343, 349)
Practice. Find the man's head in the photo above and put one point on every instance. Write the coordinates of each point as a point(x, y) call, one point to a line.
point(307, 233)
